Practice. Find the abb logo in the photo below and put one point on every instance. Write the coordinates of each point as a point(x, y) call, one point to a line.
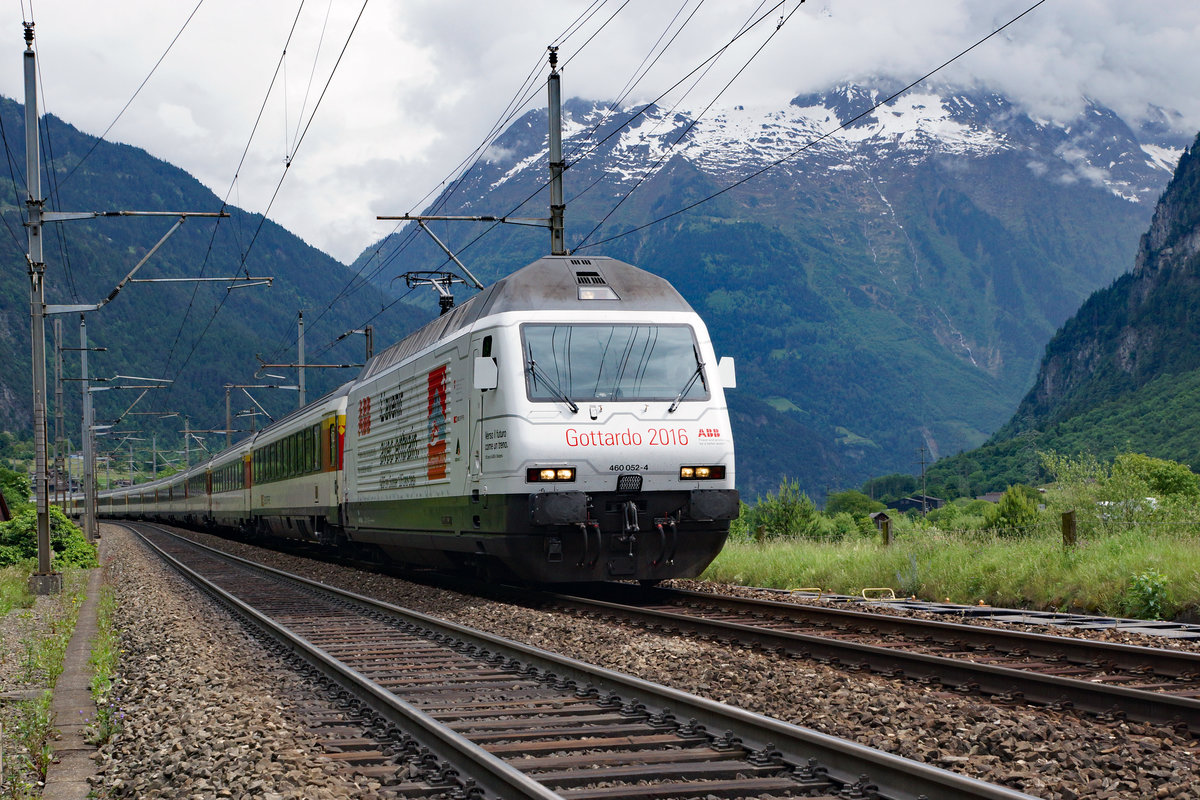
point(709, 433)
point(364, 416)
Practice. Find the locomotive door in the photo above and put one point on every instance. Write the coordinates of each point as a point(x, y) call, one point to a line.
point(481, 388)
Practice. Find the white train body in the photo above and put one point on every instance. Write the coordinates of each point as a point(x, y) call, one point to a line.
point(569, 423)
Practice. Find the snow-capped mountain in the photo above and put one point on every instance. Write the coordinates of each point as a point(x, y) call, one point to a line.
point(887, 279)
point(837, 131)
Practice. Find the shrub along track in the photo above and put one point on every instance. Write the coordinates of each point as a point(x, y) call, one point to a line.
point(470, 710)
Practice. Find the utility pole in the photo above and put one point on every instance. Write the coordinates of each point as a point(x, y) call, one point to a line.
point(60, 491)
point(89, 440)
point(924, 495)
point(44, 581)
point(558, 243)
point(368, 332)
point(301, 356)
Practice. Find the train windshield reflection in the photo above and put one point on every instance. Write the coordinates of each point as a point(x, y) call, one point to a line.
point(611, 362)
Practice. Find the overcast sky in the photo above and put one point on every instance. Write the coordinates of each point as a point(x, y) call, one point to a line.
point(421, 82)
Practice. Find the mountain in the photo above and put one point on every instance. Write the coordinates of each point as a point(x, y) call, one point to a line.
point(885, 286)
point(1123, 372)
point(201, 335)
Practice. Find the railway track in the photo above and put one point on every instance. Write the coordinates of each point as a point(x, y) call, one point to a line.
point(466, 714)
point(1106, 679)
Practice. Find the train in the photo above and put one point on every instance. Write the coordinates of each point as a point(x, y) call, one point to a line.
point(566, 424)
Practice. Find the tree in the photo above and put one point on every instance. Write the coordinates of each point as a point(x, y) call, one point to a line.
point(1161, 477)
point(852, 502)
point(1016, 512)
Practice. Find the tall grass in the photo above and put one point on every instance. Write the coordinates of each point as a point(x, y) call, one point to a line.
point(1034, 571)
point(1138, 550)
point(14, 588)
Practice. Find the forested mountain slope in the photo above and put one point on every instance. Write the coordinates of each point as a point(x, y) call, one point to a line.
point(201, 335)
point(1123, 373)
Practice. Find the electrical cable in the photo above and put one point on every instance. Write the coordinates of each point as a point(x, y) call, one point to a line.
point(516, 104)
point(820, 138)
point(653, 169)
point(638, 74)
point(282, 177)
point(232, 186)
point(8, 156)
point(141, 86)
point(541, 186)
point(664, 117)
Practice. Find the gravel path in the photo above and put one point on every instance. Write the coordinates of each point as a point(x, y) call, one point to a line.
point(201, 704)
point(205, 712)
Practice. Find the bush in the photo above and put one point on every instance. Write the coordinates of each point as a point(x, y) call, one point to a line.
point(1146, 596)
point(852, 502)
point(18, 540)
point(1161, 477)
point(16, 489)
point(789, 513)
point(1016, 513)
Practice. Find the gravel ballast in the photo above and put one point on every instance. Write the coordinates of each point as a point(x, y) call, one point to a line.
point(205, 712)
point(204, 708)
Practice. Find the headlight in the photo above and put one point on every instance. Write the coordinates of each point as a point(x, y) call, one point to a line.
point(714, 472)
point(549, 474)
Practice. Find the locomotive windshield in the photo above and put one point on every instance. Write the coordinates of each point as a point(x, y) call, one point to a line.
point(612, 362)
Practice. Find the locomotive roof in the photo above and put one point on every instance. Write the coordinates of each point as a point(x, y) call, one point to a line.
point(552, 283)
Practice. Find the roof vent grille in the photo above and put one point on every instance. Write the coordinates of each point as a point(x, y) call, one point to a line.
point(581, 262)
point(589, 279)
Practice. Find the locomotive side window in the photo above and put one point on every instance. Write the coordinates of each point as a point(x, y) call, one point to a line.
point(612, 362)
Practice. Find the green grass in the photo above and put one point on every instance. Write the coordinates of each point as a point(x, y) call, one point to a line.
point(40, 664)
point(14, 588)
point(105, 654)
point(1098, 575)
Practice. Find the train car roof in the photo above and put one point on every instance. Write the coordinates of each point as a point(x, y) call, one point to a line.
point(552, 283)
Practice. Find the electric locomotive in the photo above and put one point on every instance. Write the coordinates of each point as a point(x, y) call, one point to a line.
point(568, 422)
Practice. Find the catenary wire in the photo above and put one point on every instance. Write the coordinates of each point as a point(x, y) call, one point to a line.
point(820, 138)
point(653, 169)
point(282, 177)
point(520, 99)
point(236, 229)
point(603, 176)
point(141, 86)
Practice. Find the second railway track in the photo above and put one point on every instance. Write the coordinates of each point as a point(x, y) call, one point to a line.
point(1102, 678)
point(508, 720)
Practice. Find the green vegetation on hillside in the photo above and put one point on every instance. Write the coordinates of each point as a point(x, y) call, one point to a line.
point(1161, 419)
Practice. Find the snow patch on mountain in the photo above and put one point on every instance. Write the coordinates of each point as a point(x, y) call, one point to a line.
point(830, 132)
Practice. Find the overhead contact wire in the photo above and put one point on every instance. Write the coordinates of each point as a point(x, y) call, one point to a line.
point(820, 138)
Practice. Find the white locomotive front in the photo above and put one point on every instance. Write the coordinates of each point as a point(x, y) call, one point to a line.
point(568, 423)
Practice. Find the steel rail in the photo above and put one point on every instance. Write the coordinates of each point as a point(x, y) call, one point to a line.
point(844, 761)
point(1171, 663)
point(492, 774)
point(1009, 682)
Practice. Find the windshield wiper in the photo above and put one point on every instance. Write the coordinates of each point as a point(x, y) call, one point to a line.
point(535, 373)
point(691, 381)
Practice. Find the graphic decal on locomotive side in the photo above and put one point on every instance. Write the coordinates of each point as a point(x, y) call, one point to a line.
point(404, 443)
point(435, 463)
